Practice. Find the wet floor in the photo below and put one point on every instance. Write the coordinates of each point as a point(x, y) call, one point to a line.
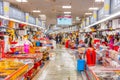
point(62, 67)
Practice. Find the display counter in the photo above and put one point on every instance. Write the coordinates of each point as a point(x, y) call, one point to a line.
point(12, 70)
point(32, 60)
point(36, 57)
point(108, 65)
point(105, 73)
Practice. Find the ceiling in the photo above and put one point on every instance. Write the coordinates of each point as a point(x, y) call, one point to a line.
point(52, 8)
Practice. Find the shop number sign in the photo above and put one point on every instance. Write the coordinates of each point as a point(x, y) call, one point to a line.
point(92, 19)
point(101, 14)
point(1, 8)
point(31, 20)
point(17, 14)
point(115, 6)
point(117, 2)
point(39, 23)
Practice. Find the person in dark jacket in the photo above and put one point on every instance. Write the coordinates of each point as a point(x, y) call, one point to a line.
point(60, 39)
point(57, 39)
point(77, 41)
point(86, 39)
point(89, 41)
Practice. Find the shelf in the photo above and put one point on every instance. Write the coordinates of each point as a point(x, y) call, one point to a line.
point(17, 73)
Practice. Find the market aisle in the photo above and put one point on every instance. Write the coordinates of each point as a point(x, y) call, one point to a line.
point(61, 68)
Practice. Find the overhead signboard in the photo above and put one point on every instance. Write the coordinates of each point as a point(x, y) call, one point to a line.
point(64, 20)
point(101, 13)
point(1, 8)
point(26, 17)
point(106, 7)
point(31, 20)
point(115, 6)
point(6, 6)
point(39, 22)
point(87, 21)
point(84, 23)
point(36, 21)
point(95, 15)
point(43, 24)
point(16, 14)
point(91, 20)
point(81, 25)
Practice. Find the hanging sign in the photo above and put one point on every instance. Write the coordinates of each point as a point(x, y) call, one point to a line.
point(26, 17)
point(36, 21)
point(87, 21)
point(6, 6)
point(84, 23)
point(1, 8)
point(43, 23)
point(115, 6)
point(39, 23)
point(91, 20)
point(81, 25)
point(101, 14)
point(95, 16)
point(106, 7)
point(16, 14)
point(31, 20)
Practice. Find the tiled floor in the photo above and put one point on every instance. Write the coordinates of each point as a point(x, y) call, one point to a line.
point(62, 67)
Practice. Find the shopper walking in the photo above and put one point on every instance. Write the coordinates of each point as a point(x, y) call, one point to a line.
point(60, 39)
point(77, 41)
point(57, 40)
point(89, 41)
point(86, 39)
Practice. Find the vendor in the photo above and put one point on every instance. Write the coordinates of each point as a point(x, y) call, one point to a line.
point(27, 44)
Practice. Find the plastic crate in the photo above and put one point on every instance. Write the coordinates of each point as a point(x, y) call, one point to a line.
point(80, 65)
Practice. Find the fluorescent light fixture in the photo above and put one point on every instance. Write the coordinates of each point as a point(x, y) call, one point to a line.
point(67, 12)
point(67, 15)
point(22, 0)
point(88, 13)
point(66, 7)
point(99, 0)
point(93, 8)
point(42, 15)
point(36, 11)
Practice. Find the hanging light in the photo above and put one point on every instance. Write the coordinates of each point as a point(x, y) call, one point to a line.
point(99, 0)
point(22, 0)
